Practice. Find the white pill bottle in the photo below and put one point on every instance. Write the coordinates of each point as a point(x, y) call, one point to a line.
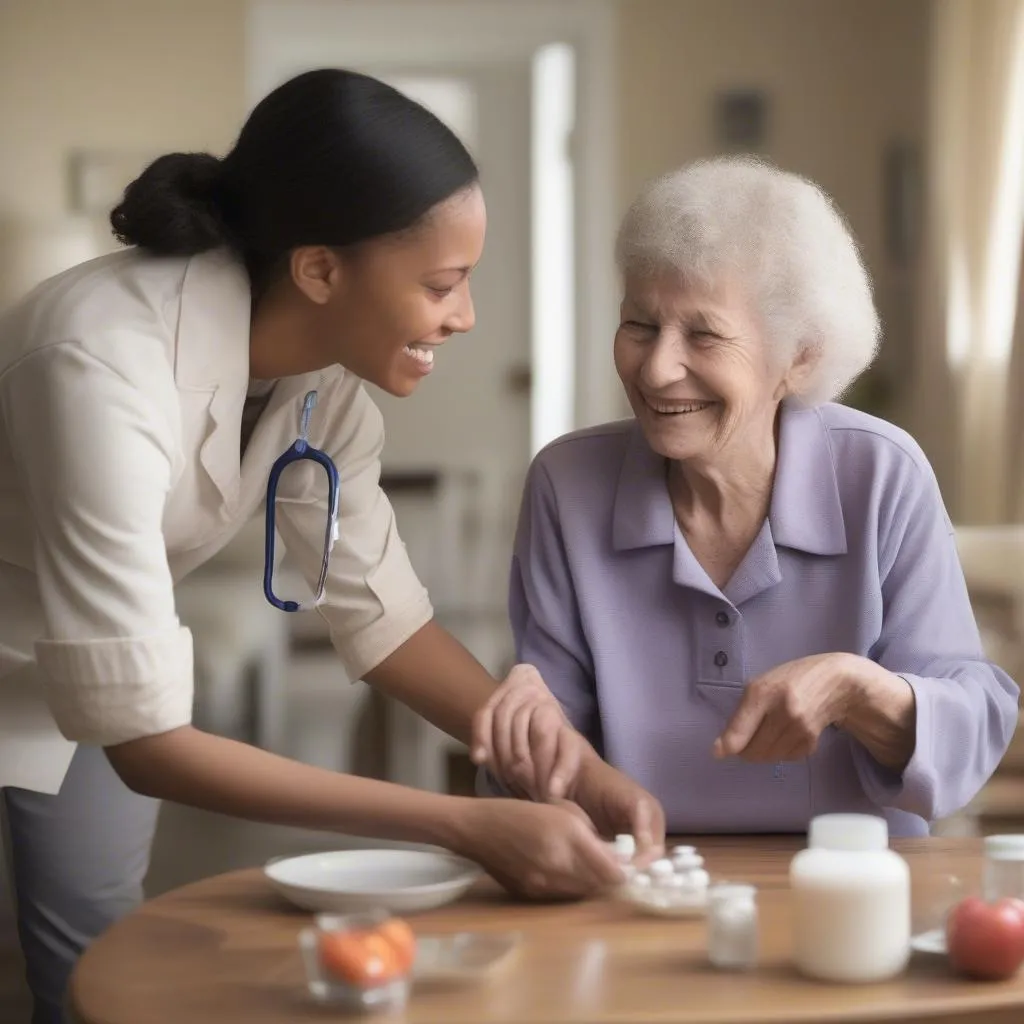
point(851, 901)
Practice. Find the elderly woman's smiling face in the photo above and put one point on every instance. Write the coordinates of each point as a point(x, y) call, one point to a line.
point(695, 365)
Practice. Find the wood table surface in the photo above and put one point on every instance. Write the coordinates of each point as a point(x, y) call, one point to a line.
point(224, 950)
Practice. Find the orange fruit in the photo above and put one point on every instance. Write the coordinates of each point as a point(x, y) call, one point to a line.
point(382, 959)
point(402, 939)
point(342, 957)
point(363, 959)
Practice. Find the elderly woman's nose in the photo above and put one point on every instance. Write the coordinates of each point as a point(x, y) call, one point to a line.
point(665, 363)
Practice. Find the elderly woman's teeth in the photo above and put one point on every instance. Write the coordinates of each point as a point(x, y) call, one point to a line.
point(421, 355)
point(677, 408)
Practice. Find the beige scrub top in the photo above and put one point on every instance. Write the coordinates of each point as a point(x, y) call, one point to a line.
point(122, 385)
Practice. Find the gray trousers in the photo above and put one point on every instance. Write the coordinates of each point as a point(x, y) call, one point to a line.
point(78, 860)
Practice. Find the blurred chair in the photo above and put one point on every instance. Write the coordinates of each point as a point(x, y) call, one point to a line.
point(446, 516)
point(993, 562)
point(992, 558)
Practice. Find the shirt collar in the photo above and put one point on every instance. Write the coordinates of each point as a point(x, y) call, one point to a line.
point(806, 510)
point(212, 339)
point(211, 361)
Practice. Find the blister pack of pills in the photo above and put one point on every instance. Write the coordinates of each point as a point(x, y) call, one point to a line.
point(675, 886)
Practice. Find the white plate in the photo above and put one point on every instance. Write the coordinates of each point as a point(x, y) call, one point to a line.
point(933, 941)
point(401, 881)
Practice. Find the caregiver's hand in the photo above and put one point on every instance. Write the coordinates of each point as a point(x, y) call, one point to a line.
point(538, 850)
point(615, 803)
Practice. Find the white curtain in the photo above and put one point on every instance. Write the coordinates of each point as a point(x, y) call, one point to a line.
point(970, 277)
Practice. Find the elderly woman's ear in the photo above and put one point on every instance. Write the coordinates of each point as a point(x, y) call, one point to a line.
point(800, 373)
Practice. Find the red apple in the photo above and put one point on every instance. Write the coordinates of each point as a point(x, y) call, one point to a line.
point(986, 940)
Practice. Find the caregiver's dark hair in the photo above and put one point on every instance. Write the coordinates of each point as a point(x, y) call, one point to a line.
point(331, 157)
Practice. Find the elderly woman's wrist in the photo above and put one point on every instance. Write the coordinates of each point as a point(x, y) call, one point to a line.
point(881, 713)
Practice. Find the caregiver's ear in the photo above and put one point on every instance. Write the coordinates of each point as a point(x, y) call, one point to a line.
point(317, 271)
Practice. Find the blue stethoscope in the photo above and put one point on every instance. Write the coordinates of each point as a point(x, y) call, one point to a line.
point(301, 450)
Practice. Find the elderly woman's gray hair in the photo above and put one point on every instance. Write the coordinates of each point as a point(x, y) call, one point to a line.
point(783, 239)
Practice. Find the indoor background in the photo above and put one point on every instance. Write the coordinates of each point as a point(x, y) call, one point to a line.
point(909, 112)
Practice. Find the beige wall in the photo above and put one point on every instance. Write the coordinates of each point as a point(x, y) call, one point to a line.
point(136, 75)
point(843, 77)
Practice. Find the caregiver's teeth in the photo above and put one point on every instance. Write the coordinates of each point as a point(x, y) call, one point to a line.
point(421, 355)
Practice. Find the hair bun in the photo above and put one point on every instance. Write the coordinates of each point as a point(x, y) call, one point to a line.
point(174, 207)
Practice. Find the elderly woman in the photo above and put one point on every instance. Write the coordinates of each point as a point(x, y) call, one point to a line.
point(748, 598)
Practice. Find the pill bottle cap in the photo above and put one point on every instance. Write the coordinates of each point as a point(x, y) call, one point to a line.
point(1005, 847)
point(728, 891)
point(851, 832)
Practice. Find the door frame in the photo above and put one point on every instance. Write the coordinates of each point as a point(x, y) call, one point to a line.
point(284, 37)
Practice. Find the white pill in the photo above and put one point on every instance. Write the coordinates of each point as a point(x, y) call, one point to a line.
point(625, 846)
point(683, 851)
point(641, 881)
point(661, 872)
point(682, 861)
point(697, 879)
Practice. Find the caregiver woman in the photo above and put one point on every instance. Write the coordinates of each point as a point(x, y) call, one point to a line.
point(145, 397)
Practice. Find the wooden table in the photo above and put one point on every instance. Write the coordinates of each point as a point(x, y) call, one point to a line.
point(224, 950)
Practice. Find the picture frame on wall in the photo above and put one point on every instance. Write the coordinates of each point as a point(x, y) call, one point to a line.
point(97, 178)
point(741, 120)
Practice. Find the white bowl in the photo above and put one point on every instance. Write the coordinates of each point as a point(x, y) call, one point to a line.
point(344, 881)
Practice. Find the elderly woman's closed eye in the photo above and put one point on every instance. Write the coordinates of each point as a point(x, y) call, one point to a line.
point(748, 598)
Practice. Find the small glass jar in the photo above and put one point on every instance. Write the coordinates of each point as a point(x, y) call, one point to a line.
point(330, 988)
point(732, 926)
point(1003, 867)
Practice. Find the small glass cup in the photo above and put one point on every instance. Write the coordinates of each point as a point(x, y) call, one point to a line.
point(1003, 867)
point(935, 889)
point(329, 989)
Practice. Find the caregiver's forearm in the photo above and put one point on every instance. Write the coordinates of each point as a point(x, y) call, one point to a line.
point(201, 770)
point(436, 676)
point(882, 716)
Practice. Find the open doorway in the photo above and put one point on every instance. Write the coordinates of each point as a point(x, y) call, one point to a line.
point(529, 88)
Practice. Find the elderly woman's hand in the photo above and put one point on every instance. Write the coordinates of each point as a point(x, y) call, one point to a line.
point(523, 736)
point(784, 712)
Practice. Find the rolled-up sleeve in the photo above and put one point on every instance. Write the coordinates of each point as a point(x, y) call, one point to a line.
point(966, 707)
point(373, 600)
point(543, 608)
point(93, 456)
